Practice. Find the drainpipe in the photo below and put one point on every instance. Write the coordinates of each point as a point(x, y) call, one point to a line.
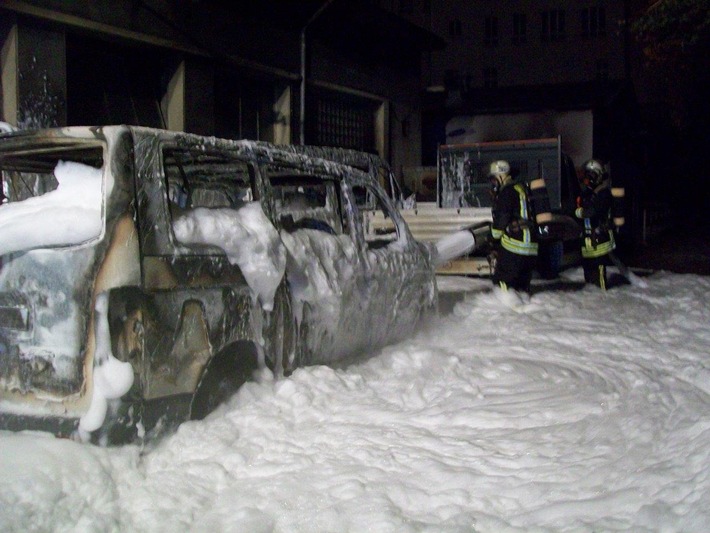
point(302, 114)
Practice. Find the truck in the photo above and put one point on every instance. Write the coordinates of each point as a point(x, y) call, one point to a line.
point(463, 200)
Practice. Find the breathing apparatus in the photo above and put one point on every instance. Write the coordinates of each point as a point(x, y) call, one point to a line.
point(540, 200)
point(596, 178)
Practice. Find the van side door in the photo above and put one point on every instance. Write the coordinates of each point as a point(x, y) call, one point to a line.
point(399, 274)
point(196, 299)
point(324, 270)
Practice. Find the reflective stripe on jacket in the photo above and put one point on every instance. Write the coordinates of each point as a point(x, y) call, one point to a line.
point(511, 210)
point(604, 244)
point(598, 239)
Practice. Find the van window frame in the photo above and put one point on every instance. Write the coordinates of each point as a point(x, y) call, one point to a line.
point(377, 230)
point(169, 205)
point(62, 150)
point(281, 176)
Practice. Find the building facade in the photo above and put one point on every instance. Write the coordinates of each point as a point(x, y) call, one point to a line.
point(520, 42)
point(314, 72)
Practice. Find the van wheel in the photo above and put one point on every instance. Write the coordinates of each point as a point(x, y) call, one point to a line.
point(225, 374)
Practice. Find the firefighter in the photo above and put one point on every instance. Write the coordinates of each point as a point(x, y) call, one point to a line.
point(594, 214)
point(513, 232)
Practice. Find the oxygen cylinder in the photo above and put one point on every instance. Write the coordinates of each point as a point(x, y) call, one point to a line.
point(617, 206)
point(540, 201)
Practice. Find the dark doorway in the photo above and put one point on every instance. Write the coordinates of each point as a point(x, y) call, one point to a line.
point(243, 107)
point(110, 83)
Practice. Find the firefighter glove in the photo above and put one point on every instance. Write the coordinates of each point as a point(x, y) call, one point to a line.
point(493, 260)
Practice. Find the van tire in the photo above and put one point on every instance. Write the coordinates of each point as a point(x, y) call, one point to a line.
point(225, 374)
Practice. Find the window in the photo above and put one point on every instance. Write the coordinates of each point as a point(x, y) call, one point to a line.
point(57, 187)
point(490, 36)
point(386, 178)
point(593, 20)
point(345, 124)
point(552, 25)
point(107, 83)
point(520, 29)
point(31, 173)
point(455, 28)
point(380, 228)
point(490, 78)
point(195, 178)
point(304, 201)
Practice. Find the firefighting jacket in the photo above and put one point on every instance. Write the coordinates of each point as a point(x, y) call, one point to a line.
point(512, 220)
point(594, 211)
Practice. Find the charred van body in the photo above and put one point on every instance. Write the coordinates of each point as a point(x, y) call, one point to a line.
point(145, 274)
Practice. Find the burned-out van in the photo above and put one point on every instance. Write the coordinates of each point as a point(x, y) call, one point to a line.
point(145, 275)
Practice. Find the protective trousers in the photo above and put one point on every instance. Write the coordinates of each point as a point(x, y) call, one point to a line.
point(514, 271)
point(595, 270)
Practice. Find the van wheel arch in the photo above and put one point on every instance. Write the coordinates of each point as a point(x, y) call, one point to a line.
point(226, 372)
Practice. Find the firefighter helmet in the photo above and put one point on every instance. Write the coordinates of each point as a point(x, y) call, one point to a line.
point(593, 173)
point(498, 174)
point(498, 169)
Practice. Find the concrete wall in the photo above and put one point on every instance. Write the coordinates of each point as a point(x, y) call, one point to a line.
point(34, 77)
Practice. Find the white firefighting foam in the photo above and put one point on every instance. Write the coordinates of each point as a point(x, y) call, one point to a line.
point(319, 268)
point(247, 237)
point(456, 244)
point(590, 413)
point(111, 378)
point(74, 208)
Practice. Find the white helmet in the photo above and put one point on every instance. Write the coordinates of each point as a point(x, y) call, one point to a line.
point(593, 172)
point(498, 169)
